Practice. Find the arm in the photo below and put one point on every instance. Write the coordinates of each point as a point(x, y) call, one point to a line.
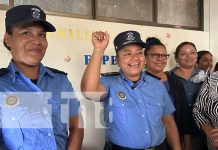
point(91, 77)
point(201, 105)
point(76, 133)
point(199, 111)
point(187, 142)
point(212, 133)
point(172, 133)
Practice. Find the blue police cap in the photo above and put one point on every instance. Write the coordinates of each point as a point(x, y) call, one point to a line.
point(128, 37)
point(24, 14)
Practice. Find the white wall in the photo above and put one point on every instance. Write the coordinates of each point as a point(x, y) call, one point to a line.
point(213, 28)
point(72, 41)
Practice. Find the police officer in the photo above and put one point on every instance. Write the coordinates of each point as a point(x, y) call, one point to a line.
point(135, 103)
point(31, 95)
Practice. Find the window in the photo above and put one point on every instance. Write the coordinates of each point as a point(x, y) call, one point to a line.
point(186, 14)
point(140, 10)
point(166, 13)
point(77, 7)
point(4, 4)
point(179, 12)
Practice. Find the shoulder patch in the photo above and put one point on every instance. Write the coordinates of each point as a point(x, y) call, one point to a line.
point(56, 71)
point(110, 74)
point(3, 71)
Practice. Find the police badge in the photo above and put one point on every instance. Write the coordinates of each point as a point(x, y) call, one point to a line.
point(35, 13)
point(121, 95)
point(12, 101)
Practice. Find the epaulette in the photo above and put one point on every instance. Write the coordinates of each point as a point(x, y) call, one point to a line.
point(110, 74)
point(3, 71)
point(148, 73)
point(56, 71)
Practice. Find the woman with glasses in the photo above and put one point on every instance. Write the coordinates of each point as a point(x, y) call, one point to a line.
point(192, 79)
point(156, 59)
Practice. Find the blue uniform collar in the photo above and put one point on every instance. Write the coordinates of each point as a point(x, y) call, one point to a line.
point(122, 78)
point(42, 71)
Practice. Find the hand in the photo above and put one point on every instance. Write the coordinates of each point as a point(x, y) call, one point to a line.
point(213, 136)
point(100, 40)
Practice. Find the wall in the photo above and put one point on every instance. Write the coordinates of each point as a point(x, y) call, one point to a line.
point(213, 30)
point(70, 45)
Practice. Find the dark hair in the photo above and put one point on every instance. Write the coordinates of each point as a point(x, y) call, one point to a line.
point(152, 41)
point(8, 31)
point(216, 67)
point(201, 54)
point(181, 45)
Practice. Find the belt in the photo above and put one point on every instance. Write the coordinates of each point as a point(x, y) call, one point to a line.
point(112, 146)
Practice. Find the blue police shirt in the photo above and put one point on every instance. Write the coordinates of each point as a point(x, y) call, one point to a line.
point(36, 121)
point(133, 112)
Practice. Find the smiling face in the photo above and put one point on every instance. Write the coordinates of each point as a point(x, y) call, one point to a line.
point(187, 56)
point(156, 59)
point(206, 62)
point(28, 44)
point(131, 61)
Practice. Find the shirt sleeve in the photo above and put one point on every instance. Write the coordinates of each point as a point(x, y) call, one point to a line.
point(104, 81)
point(200, 105)
point(74, 103)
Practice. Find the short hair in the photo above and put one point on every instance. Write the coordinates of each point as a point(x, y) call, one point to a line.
point(8, 31)
point(152, 41)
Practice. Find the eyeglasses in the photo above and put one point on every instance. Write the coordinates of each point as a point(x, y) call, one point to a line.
point(156, 56)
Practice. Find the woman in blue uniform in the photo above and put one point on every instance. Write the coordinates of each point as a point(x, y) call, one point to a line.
point(31, 95)
point(134, 103)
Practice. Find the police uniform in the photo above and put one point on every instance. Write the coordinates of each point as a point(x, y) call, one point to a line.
point(31, 115)
point(133, 111)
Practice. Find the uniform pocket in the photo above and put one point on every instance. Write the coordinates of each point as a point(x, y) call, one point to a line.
point(11, 130)
point(155, 111)
point(121, 112)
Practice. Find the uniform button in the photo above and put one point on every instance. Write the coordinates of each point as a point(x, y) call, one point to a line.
point(190, 105)
point(45, 112)
point(49, 133)
point(140, 101)
point(143, 115)
point(189, 93)
point(122, 104)
point(146, 131)
point(13, 118)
